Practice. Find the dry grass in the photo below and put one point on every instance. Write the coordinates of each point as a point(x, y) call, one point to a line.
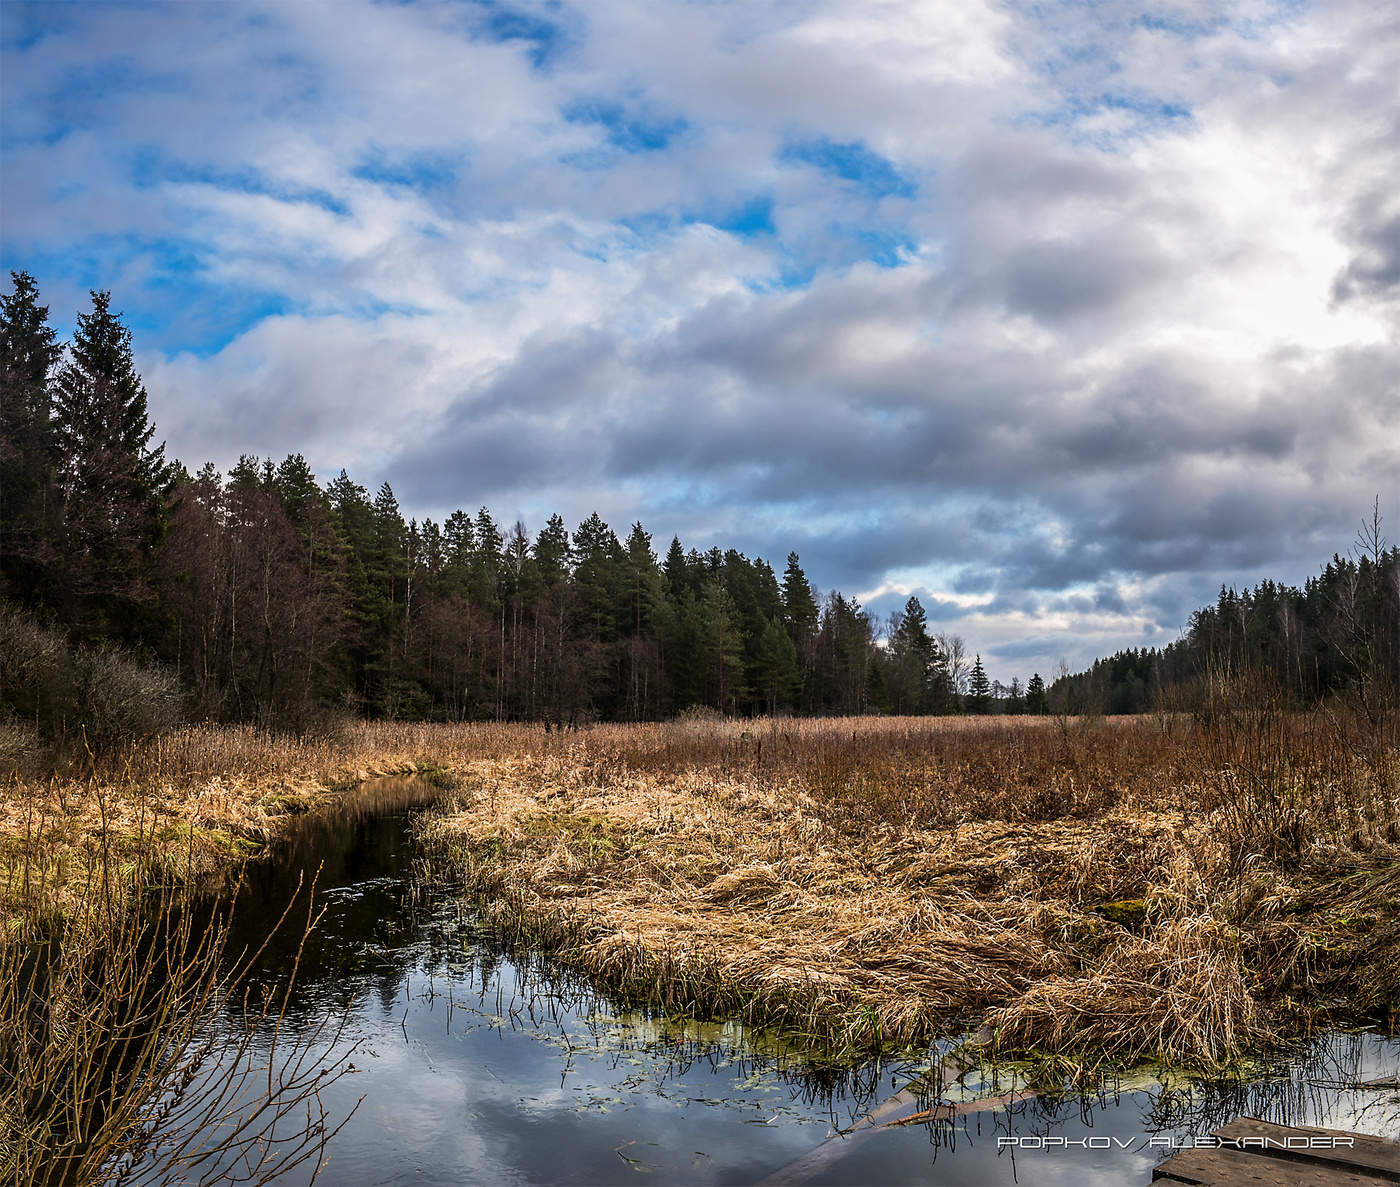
point(1148, 888)
point(195, 800)
point(1127, 890)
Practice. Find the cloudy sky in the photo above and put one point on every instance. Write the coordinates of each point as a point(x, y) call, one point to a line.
point(1055, 314)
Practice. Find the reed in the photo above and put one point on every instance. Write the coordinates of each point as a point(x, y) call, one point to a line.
point(1156, 888)
point(133, 1046)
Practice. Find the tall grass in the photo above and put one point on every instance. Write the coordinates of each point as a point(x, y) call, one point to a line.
point(1166, 887)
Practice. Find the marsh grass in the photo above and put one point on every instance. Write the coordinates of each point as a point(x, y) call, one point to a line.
point(133, 1046)
point(1161, 888)
point(1175, 888)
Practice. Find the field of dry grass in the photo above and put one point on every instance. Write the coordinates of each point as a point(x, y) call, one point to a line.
point(1126, 890)
point(1114, 890)
point(195, 800)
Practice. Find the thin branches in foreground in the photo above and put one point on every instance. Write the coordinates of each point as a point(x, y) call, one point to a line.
point(136, 1052)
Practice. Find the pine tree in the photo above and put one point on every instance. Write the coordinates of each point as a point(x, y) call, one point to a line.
point(1036, 699)
point(29, 505)
point(979, 689)
point(111, 476)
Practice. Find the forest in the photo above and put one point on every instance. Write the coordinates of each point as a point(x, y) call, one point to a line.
point(266, 596)
point(1339, 632)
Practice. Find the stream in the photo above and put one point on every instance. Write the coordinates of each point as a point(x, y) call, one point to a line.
point(473, 1064)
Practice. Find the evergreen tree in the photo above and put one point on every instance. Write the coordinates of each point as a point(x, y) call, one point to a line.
point(778, 680)
point(486, 561)
point(459, 543)
point(554, 551)
point(675, 570)
point(111, 477)
point(979, 689)
point(911, 657)
point(648, 615)
point(799, 604)
point(598, 578)
point(721, 648)
point(1036, 699)
point(800, 617)
point(643, 580)
point(29, 504)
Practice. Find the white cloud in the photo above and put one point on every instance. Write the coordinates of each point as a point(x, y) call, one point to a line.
point(1143, 331)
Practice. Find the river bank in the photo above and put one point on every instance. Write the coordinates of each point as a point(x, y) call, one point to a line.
point(1092, 893)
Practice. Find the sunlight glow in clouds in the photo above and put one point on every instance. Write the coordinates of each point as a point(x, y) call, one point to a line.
point(1056, 315)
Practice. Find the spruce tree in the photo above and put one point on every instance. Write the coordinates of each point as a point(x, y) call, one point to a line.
point(554, 551)
point(676, 571)
point(29, 504)
point(911, 658)
point(800, 618)
point(979, 689)
point(778, 680)
point(111, 476)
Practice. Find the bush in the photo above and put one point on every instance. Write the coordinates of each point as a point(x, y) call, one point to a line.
point(53, 693)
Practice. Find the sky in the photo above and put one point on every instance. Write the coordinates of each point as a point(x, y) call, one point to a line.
point(1055, 315)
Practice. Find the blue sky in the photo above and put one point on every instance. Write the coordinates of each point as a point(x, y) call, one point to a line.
point(1055, 315)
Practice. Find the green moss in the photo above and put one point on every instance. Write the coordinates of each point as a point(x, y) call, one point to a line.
point(1129, 912)
point(436, 774)
point(285, 804)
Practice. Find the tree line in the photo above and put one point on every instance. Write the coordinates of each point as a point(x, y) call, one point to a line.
point(1337, 633)
point(279, 599)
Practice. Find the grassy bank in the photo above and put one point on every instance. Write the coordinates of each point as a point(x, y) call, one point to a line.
point(1135, 889)
point(195, 800)
point(118, 1058)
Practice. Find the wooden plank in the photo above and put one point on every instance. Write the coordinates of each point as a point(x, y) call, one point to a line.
point(1368, 1153)
point(947, 1111)
point(800, 1170)
point(1234, 1168)
point(900, 1109)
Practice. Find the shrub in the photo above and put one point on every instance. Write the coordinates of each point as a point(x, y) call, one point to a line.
point(54, 693)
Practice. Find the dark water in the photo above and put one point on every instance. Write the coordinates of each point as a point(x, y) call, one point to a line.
point(476, 1066)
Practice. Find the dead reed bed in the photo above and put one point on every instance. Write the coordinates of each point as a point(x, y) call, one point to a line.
point(131, 1050)
point(1155, 888)
point(198, 800)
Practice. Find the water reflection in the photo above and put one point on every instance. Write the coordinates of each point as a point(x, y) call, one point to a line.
point(477, 1064)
